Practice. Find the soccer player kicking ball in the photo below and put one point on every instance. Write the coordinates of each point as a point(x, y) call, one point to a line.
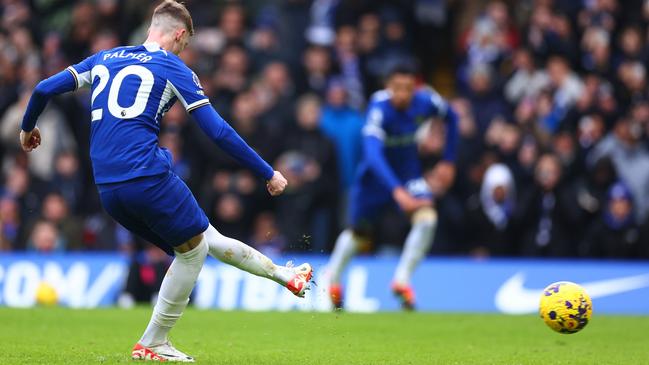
point(132, 87)
point(390, 173)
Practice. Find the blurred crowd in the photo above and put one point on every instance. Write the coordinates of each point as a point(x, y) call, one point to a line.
point(553, 101)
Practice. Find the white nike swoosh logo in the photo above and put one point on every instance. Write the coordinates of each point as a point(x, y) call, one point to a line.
point(513, 298)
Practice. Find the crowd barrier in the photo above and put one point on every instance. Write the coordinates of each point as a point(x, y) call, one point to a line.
point(442, 284)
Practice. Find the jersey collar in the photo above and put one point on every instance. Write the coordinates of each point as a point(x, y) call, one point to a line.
point(152, 46)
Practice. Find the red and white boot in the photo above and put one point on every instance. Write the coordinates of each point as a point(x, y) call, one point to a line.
point(300, 282)
point(162, 353)
point(336, 296)
point(405, 294)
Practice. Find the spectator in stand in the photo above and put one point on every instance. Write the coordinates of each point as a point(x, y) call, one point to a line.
point(615, 233)
point(275, 92)
point(592, 189)
point(527, 80)
point(27, 192)
point(145, 274)
point(490, 214)
point(316, 71)
point(547, 216)
point(349, 64)
point(632, 79)
point(624, 145)
point(228, 213)
point(631, 42)
point(484, 97)
point(51, 123)
point(342, 124)
point(489, 40)
point(566, 89)
point(266, 237)
point(596, 101)
point(246, 121)
point(230, 78)
point(263, 42)
point(596, 52)
point(9, 224)
point(309, 164)
point(46, 238)
point(55, 211)
point(68, 181)
point(369, 47)
point(232, 24)
point(471, 142)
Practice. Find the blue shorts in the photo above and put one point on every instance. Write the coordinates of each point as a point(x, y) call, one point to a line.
point(161, 209)
point(367, 202)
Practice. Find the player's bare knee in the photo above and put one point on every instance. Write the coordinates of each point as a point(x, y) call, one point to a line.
point(425, 215)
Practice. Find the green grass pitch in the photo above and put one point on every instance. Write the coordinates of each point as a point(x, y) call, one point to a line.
point(105, 336)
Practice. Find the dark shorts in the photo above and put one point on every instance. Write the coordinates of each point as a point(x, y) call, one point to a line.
point(367, 202)
point(161, 209)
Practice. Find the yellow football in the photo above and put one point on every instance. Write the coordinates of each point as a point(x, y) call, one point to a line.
point(46, 295)
point(565, 307)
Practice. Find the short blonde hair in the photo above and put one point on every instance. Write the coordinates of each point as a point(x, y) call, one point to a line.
point(175, 10)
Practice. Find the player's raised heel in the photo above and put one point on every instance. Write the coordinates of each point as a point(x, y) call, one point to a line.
point(300, 282)
point(162, 353)
point(405, 294)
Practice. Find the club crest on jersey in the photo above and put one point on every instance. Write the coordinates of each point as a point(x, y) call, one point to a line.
point(196, 80)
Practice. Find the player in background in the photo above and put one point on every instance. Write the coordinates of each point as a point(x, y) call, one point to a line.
point(132, 87)
point(390, 173)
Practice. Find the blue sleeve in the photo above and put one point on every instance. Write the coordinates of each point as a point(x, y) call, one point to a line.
point(60, 83)
point(440, 108)
point(373, 150)
point(228, 140)
point(450, 146)
point(81, 71)
point(373, 136)
point(186, 86)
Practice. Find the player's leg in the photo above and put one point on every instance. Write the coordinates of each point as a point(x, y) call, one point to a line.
point(173, 297)
point(418, 242)
point(363, 206)
point(246, 258)
point(174, 224)
point(347, 244)
point(176, 285)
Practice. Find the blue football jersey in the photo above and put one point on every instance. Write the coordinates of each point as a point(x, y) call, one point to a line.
point(132, 88)
point(397, 129)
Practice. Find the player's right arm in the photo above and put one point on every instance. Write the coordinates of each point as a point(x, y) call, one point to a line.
point(69, 79)
point(373, 144)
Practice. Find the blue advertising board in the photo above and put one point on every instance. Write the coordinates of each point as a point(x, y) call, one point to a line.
point(441, 284)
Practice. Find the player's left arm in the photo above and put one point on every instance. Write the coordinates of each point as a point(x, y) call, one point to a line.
point(186, 86)
point(67, 80)
point(228, 140)
point(444, 171)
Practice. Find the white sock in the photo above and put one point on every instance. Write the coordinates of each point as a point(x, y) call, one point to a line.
point(346, 247)
point(174, 294)
point(418, 242)
point(244, 257)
